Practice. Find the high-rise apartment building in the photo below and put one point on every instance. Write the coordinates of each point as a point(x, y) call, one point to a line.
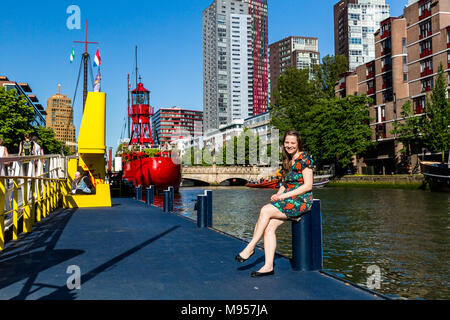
point(171, 124)
point(298, 52)
point(235, 83)
point(60, 118)
point(355, 22)
point(409, 50)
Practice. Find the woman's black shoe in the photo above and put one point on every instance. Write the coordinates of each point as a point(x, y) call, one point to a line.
point(256, 274)
point(238, 258)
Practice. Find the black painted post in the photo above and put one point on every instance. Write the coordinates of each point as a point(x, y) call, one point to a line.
point(150, 195)
point(208, 194)
point(307, 253)
point(139, 193)
point(201, 211)
point(171, 198)
point(166, 200)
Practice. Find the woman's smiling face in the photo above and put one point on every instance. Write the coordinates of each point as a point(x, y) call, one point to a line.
point(291, 145)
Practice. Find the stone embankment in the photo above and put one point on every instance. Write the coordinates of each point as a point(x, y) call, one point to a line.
point(405, 181)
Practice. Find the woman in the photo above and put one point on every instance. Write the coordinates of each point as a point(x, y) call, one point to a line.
point(80, 184)
point(3, 153)
point(293, 199)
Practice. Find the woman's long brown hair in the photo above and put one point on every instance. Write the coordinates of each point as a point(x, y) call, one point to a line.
point(286, 166)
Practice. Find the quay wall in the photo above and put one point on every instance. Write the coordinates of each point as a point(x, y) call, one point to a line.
point(416, 181)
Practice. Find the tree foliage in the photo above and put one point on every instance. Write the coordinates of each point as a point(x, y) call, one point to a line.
point(431, 130)
point(16, 116)
point(332, 128)
point(437, 120)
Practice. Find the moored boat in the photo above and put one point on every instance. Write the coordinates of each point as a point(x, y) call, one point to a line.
point(144, 163)
point(437, 175)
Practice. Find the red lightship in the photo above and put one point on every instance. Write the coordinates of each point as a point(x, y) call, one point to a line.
point(145, 163)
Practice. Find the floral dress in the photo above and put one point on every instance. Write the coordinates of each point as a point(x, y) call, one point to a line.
point(296, 206)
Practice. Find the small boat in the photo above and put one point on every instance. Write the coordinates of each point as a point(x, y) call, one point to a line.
point(272, 184)
point(437, 174)
point(320, 184)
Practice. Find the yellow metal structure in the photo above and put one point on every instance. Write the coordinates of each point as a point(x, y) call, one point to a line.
point(91, 160)
point(41, 198)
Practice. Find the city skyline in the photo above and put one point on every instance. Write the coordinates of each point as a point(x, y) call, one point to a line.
point(37, 45)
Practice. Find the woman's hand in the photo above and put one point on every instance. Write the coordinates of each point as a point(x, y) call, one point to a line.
point(275, 197)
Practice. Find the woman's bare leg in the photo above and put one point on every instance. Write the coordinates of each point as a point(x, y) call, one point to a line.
point(270, 244)
point(268, 212)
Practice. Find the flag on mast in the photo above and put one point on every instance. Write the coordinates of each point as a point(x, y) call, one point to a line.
point(97, 59)
point(97, 86)
point(72, 55)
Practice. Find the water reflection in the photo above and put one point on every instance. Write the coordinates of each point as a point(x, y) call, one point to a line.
point(403, 232)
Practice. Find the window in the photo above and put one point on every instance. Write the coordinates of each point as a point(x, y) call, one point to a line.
point(426, 48)
point(426, 67)
point(355, 40)
point(424, 9)
point(419, 105)
point(425, 29)
point(427, 84)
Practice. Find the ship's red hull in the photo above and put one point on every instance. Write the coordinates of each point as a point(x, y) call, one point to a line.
point(160, 172)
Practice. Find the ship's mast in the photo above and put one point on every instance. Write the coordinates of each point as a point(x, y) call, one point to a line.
point(85, 61)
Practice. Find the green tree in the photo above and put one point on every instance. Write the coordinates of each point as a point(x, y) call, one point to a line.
point(293, 97)
point(338, 129)
point(437, 118)
point(327, 74)
point(15, 118)
point(409, 131)
point(48, 142)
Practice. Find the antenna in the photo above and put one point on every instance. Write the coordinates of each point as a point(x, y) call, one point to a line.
point(136, 67)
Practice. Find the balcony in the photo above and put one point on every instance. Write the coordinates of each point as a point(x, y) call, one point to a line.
point(426, 72)
point(342, 86)
point(380, 131)
point(371, 91)
point(426, 52)
point(386, 68)
point(370, 75)
point(387, 85)
point(426, 89)
point(426, 34)
point(386, 51)
point(419, 109)
point(386, 34)
point(426, 13)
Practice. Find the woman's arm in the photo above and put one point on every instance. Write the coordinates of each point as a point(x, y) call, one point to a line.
point(20, 149)
point(276, 196)
point(306, 187)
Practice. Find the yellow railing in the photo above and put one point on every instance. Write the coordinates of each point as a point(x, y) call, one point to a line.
point(31, 196)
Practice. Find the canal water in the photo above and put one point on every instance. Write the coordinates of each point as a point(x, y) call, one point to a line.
point(403, 233)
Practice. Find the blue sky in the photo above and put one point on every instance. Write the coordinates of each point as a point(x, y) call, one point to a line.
point(36, 44)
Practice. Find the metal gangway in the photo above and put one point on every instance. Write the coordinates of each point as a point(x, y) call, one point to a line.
point(30, 189)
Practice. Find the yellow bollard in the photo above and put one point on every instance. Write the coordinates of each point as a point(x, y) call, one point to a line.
point(47, 199)
point(39, 201)
point(15, 231)
point(2, 212)
point(43, 200)
point(33, 204)
point(26, 207)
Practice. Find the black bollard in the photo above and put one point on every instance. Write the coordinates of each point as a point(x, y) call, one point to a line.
point(171, 198)
point(208, 194)
point(201, 211)
point(307, 253)
point(139, 193)
point(166, 200)
point(150, 195)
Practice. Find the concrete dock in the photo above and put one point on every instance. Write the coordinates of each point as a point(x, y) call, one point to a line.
point(134, 252)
